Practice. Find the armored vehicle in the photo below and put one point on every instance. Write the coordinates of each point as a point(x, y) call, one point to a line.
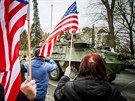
point(61, 55)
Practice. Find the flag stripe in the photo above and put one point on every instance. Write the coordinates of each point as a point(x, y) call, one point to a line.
point(11, 24)
point(5, 64)
point(13, 5)
point(3, 78)
point(15, 17)
point(69, 22)
point(16, 39)
point(49, 47)
point(64, 22)
point(13, 94)
point(2, 52)
point(62, 29)
point(14, 77)
point(72, 16)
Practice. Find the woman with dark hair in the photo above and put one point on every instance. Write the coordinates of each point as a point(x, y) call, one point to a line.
point(91, 83)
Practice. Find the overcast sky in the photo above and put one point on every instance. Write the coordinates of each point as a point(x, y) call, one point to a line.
point(59, 8)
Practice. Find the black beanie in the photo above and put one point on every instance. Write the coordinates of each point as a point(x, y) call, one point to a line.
point(36, 51)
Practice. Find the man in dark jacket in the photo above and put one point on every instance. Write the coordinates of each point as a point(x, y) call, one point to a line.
point(91, 83)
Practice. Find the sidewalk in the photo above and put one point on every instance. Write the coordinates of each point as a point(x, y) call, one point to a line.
point(50, 92)
point(130, 70)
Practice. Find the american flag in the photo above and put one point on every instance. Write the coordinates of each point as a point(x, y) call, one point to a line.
point(12, 18)
point(68, 22)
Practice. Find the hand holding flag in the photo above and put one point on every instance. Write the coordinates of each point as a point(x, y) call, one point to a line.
point(12, 18)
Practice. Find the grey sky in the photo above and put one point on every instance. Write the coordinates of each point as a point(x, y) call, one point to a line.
point(59, 8)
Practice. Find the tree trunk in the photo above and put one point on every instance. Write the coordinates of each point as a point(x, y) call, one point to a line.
point(110, 9)
point(111, 29)
point(131, 42)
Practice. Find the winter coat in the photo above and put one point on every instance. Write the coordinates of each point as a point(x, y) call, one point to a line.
point(1, 93)
point(40, 70)
point(21, 97)
point(86, 90)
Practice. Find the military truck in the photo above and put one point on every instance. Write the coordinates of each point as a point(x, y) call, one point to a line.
point(61, 55)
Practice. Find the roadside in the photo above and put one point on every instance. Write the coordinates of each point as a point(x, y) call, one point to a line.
point(125, 83)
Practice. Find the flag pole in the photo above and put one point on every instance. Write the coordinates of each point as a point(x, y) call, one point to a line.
point(51, 16)
point(29, 52)
point(70, 54)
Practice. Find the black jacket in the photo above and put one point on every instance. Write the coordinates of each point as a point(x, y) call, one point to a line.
point(1, 93)
point(86, 90)
point(21, 97)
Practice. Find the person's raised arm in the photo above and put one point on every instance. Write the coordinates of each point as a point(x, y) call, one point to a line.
point(60, 88)
point(51, 64)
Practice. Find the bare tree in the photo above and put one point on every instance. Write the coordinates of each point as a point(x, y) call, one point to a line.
point(107, 14)
point(110, 10)
point(125, 11)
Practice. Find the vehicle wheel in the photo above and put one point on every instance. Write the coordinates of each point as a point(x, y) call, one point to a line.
point(56, 74)
point(112, 77)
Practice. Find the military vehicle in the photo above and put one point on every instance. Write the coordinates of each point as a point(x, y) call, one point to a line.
point(61, 54)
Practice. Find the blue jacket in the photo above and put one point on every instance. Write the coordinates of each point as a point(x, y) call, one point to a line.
point(40, 70)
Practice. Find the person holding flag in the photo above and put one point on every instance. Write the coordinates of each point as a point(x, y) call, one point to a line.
point(40, 68)
point(91, 83)
point(12, 19)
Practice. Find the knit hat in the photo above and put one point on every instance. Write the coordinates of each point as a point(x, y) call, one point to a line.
point(36, 52)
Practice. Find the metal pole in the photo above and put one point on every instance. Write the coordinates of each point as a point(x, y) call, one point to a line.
point(51, 16)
